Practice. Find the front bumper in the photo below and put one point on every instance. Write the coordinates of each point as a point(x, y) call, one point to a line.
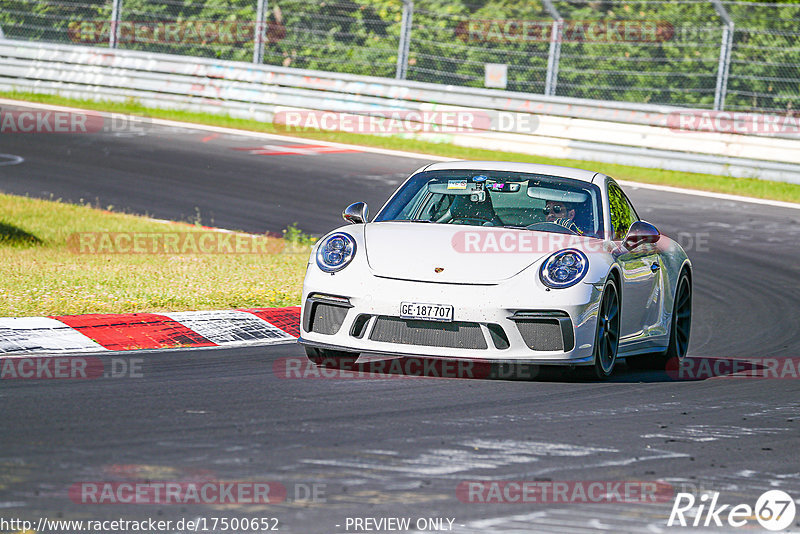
point(362, 299)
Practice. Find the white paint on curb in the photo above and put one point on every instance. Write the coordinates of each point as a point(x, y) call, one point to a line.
point(31, 335)
point(231, 327)
point(21, 337)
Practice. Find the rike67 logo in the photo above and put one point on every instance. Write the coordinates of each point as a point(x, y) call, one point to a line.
point(774, 510)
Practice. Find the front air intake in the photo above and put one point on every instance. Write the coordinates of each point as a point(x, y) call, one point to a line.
point(545, 331)
point(455, 335)
point(324, 314)
point(327, 318)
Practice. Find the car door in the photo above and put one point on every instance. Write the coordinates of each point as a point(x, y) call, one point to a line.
point(641, 285)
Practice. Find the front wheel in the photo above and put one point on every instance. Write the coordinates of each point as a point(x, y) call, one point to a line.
point(606, 340)
point(337, 359)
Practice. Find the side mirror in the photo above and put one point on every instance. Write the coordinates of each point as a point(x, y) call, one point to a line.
point(641, 232)
point(356, 213)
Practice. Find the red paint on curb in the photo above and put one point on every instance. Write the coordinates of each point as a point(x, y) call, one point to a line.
point(131, 331)
point(287, 319)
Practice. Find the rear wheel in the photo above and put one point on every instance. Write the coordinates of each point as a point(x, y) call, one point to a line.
point(337, 359)
point(680, 331)
point(681, 320)
point(606, 340)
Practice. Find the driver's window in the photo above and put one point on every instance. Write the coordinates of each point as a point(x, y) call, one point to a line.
point(413, 206)
point(622, 214)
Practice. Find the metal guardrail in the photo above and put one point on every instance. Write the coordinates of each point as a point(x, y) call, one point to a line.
point(625, 133)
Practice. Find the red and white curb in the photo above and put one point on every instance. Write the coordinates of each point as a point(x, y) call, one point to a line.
point(137, 331)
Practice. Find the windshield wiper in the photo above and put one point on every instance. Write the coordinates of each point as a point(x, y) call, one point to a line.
point(417, 220)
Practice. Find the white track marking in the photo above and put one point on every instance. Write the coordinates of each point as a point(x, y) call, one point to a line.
point(10, 159)
point(30, 335)
point(231, 327)
point(398, 153)
point(538, 448)
point(464, 457)
point(701, 433)
point(13, 504)
point(711, 194)
point(486, 524)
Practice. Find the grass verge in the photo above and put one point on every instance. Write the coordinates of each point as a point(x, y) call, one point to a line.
point(43, 272)
point(720, 184)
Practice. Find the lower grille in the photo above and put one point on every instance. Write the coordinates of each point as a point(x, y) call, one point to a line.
point(455, 335)
point(326, 318)
point(542, 334)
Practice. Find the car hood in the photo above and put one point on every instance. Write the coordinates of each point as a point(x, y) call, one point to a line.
point(465, 254)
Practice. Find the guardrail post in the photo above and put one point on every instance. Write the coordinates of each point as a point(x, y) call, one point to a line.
point(724, 66)
point(259, 32)
point(405, 40)
point(554, 54)
point(113, 34)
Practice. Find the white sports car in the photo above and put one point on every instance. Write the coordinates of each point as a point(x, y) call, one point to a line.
point(500, 262)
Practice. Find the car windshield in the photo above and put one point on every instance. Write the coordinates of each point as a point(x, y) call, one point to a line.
point(500, 199)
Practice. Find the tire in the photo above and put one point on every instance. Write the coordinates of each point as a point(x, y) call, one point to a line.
point(337, 359)
point(606, 339)
point(679, 332)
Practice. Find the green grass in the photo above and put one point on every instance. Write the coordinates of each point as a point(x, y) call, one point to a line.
point(42, 275)
point(707, 182)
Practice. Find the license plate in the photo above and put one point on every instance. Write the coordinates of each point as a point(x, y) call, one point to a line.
point(426, 312)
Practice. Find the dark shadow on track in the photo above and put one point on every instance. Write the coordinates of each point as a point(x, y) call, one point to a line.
point(692, 369)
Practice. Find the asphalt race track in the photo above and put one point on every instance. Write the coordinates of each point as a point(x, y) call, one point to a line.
point(399, 446)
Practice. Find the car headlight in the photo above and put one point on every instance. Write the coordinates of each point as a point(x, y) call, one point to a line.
point(336, 252)
point(564, 268)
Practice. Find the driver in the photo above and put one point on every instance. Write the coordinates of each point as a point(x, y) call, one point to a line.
point(562, 214)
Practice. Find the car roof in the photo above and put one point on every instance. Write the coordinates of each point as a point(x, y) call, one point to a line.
point(534, 168)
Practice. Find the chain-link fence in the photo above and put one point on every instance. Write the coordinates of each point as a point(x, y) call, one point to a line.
point(765, 58)
point(454, 45)
point(722, 54)
point(674, 59)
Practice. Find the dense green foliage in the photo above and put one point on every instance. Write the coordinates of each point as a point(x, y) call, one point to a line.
point(673, 60)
